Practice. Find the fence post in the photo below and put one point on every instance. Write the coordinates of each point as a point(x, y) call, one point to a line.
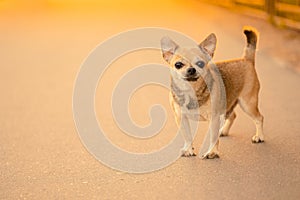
point(270, 9)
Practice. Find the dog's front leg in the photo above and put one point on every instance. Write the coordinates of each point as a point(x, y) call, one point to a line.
point(214, 129)
point(183, 124)
point(185, 130)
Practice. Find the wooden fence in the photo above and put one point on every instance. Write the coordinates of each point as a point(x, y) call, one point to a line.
point(278, 12)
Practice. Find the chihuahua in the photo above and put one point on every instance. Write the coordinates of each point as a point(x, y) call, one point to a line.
point(193, 72)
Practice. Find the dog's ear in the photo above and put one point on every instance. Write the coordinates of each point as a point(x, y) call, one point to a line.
point(209, 44)
point(168, 48)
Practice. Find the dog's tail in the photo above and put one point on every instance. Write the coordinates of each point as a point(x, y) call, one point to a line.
point(251, 34)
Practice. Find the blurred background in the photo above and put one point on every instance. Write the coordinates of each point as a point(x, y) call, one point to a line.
point(42, 46)
point(279, 12)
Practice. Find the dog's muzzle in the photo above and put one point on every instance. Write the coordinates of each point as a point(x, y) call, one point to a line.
point(191, 71)
point(191, 74)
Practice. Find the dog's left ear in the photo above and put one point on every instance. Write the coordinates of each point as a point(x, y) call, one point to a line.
point(209, 44)
point(168, 48)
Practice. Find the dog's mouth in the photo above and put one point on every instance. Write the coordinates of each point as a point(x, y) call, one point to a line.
point(193, 78)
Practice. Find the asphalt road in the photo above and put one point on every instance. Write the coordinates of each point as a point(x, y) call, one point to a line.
point(41, 155)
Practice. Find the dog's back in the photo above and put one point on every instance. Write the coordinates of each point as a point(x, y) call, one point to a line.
point(239, 75)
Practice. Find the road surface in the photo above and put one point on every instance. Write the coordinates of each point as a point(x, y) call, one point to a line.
point(42, 157)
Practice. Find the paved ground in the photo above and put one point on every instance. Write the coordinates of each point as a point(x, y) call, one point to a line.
point(42, 157)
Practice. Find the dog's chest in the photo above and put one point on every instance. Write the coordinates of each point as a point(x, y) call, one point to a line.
point(192, 105)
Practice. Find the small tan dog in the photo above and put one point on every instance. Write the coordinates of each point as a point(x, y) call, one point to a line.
point(191, 67)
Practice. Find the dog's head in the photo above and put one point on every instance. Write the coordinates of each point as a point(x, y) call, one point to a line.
point(191, 63)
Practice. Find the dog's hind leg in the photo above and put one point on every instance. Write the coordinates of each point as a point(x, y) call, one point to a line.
point(229, 119)
point(250, 107)
point(228, 123)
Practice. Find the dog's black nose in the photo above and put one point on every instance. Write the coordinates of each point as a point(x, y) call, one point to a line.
point(191, 71)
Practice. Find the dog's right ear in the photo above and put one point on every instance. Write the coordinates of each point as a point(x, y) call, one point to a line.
point(168, 48)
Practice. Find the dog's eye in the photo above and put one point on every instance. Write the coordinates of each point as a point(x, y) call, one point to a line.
point(200, 64)
point(178, 65)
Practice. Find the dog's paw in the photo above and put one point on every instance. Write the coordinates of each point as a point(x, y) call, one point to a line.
point(211, 155)
point(224, 134)
point(187, 152)
point(257, 139)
